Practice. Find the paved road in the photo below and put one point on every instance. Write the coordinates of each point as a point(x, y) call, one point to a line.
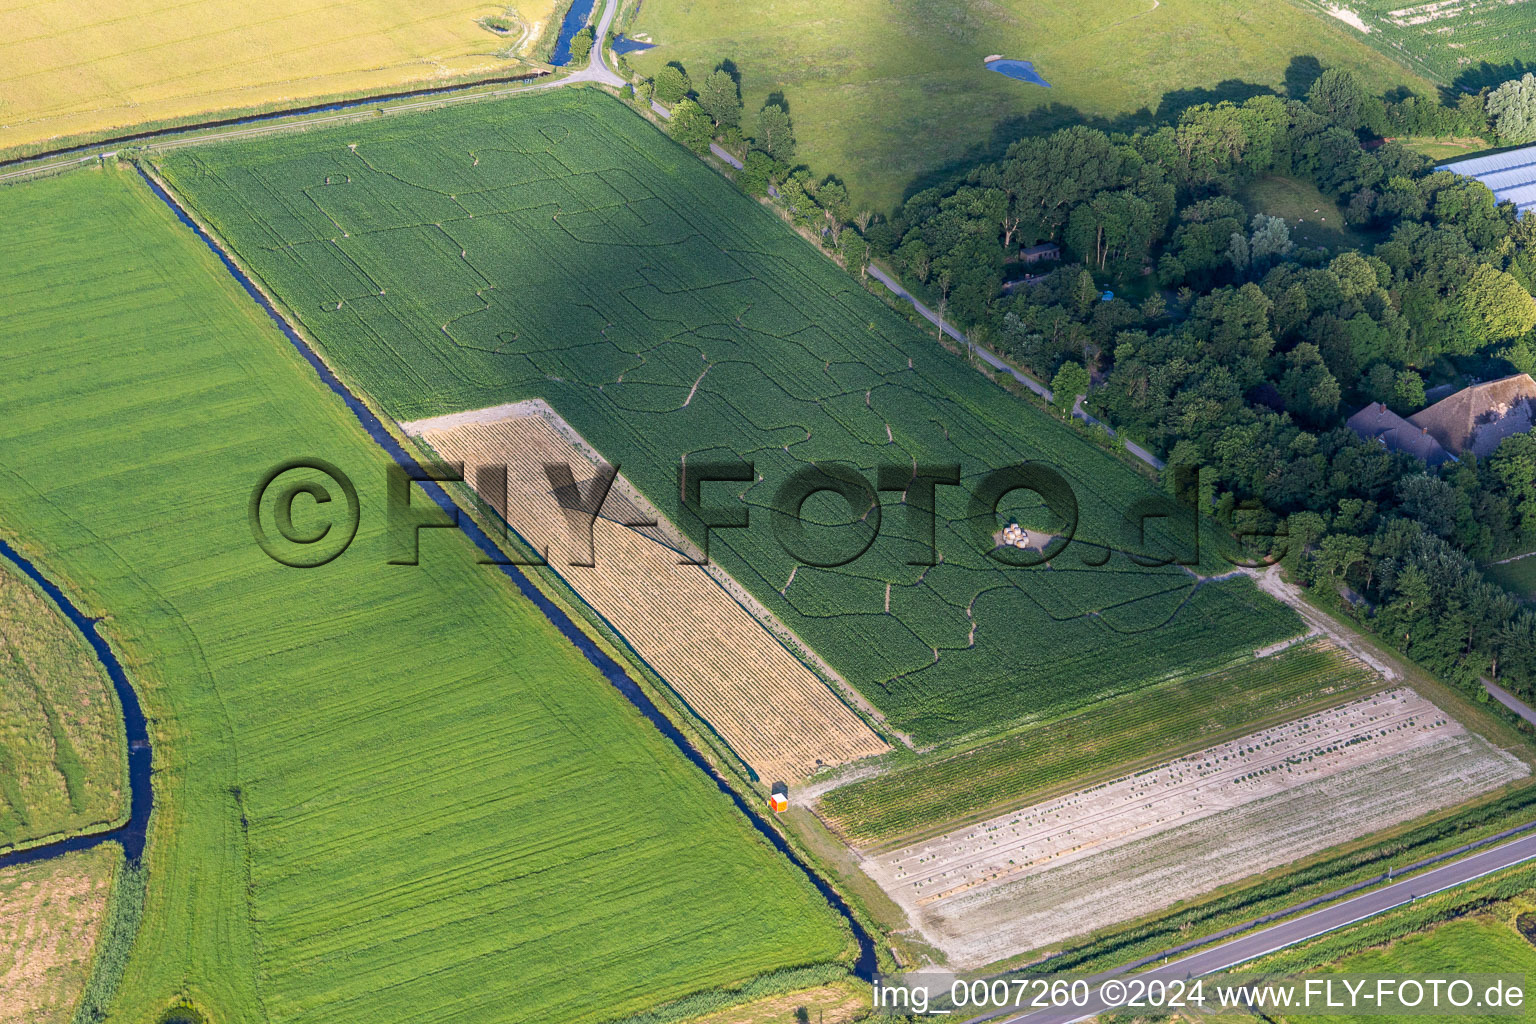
point(597, 70)
point(1510, 701)
point(1288, 933)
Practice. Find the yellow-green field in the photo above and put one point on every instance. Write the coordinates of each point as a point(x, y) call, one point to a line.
point(1487, 943)
point(51, 915)
point(70, 70)
point(883, 92)
point(61, 733)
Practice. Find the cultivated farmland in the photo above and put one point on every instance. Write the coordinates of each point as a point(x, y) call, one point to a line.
point(1101, 741)
point(51, 916)
point(1117, 850)
point(382, 792)
point(890, 96)
point(1480, 943)
point(73, 70)
point(62, 747)
point(767, 706)
point(1466, 42)
point(558, 247)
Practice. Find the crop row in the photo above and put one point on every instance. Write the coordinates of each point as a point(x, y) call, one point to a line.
point(1100, 741)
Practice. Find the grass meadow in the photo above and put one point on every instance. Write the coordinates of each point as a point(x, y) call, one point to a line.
point(887, 94)
point(51, 918)
point(62, 747)
point(1481, 943)
point(383, 792)
point(559, 247)
point(1312, 218)
point(76, 71)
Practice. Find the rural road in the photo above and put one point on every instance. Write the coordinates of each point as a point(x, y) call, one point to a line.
point(1288, 933)
point(1510, 701)
point(998, 364)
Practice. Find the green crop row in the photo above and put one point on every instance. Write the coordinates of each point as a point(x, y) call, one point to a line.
point(1107, 739)
point(1468, 43)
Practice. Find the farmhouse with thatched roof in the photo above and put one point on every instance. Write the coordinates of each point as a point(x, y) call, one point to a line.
point(1477, 418)
point(1378, 423)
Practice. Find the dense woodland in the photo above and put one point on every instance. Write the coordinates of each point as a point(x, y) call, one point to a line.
point(1244, 352)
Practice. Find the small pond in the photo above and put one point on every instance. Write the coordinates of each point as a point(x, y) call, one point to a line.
point(1023, 70)
point(623, 44)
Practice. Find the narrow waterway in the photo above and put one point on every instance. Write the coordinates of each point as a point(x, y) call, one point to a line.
point(575, 20)
point(615, 673)
point(140, 794)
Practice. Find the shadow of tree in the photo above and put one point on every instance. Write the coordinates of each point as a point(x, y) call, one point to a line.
point(1486, 76)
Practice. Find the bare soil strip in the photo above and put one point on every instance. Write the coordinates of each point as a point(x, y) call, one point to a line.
point(768, 706)
point(1035, 876)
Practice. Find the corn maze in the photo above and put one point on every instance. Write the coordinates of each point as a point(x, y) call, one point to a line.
point(1462, 42)
point(768, 707)
point(558, 247)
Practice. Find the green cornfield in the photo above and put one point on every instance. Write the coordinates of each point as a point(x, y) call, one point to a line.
point(558, 247)
point(1462, 43)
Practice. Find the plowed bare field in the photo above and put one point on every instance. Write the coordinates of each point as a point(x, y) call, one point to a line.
point(1040, 874)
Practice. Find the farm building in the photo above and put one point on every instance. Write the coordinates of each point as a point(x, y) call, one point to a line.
point(779, 798)
point(1474, 419)
point(1477, 418)
point(1040, 253)
point(1511, 175)
point(1378, 423)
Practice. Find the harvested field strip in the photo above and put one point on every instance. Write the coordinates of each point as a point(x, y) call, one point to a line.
point(913, 801)
point(1142, 842)
point(773, 711)
point(62, 748)
point(67, 70)
point(51, 914)
point(558, 247)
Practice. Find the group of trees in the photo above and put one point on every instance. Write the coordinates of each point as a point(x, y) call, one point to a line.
point(1247, 351)
point(713, 112)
